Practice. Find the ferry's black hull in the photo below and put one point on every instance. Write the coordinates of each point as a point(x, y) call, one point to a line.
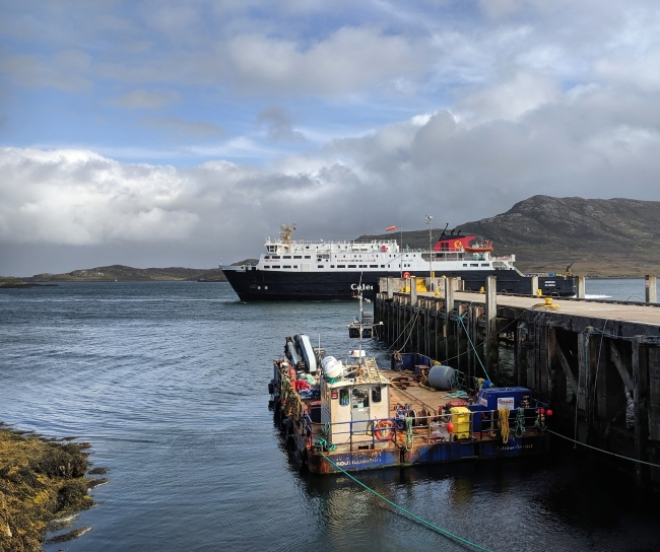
point(258, 285)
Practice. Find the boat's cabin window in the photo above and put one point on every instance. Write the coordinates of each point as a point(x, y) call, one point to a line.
point(474, 264)
point(266, 257)
point(343, 397)
point(360, 397)
point(308, 257)
point(376, 394)
point(266, 266)
point(352, 266)
point(373, 266)
point(320, 266)
point(276, 266)
point(287, 266)
point(485, 264)
point(275, 257)
point(297, 256)
point(286, 257)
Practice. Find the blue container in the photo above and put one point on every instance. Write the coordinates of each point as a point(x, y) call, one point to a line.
point(493, 398)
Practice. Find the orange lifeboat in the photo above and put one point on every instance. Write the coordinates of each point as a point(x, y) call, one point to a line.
point(483, 247)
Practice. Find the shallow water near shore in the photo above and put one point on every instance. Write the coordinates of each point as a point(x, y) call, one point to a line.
point(168, 382)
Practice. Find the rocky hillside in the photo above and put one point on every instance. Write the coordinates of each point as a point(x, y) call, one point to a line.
point(604, 237)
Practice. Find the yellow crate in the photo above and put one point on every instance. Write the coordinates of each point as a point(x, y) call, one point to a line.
point(460, 417)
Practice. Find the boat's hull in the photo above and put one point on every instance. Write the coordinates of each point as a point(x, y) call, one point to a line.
point(252, 284)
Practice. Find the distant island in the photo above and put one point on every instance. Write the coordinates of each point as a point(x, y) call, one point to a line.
point(604, 238)
point(120, 273)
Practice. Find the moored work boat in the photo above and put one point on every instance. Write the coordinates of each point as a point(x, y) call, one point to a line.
point(351, 415)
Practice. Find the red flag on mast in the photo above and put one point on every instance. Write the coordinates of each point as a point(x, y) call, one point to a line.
point(390, 228)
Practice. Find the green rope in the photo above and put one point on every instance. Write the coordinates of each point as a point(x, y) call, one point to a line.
point(324, 445)
point(460, 319)
point(324, 442)
point(520, 422)
point(605, 451)
point(457, 395)
point(410, 514)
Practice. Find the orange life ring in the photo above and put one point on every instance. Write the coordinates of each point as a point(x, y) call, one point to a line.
point(384, 430)
point(406, 275)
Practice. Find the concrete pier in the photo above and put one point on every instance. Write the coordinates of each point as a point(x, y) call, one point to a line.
point(597, 363)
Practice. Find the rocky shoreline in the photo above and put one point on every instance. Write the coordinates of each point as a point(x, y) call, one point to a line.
point(44, 483)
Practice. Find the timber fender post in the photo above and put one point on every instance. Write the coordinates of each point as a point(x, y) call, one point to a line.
point(596, 362)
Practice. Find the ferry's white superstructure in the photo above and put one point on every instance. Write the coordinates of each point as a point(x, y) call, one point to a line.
point(296, 269)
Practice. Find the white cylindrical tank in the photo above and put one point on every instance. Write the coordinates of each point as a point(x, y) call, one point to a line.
point(332, 367)
point(440, 377)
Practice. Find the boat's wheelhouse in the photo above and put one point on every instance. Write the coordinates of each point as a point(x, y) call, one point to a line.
point(351, 404)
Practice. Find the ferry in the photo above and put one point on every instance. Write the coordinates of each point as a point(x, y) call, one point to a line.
point(336, 270)
point(351, 415)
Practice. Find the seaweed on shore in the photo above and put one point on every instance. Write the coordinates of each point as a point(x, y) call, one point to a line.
point(41, 480)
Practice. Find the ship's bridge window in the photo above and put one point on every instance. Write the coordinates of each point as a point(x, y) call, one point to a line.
point(474, 264)
point(286, 257)
point(297, 256)
point(287, 266)
point(320, 266)
point(363, 266)
point(275, 257)
point(276, 266)
point(376, 394)
point(485, 264)
point(266, 257)
point(352, 266)
point(373, 266)
point(307, 257)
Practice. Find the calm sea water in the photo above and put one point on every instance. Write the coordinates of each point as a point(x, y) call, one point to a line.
point(168, 381)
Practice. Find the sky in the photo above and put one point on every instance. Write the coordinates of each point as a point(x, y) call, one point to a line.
point(157, 133)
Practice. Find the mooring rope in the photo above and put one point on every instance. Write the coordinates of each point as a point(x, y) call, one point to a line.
point(605, 451)
point(410, 514)
point(460, 319)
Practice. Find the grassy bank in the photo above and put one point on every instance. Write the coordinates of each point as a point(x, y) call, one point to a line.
point(43, 482)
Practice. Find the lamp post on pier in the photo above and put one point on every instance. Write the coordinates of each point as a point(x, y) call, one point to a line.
point(429, 218)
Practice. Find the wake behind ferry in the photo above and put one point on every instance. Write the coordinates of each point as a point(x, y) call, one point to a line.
point(337, 270)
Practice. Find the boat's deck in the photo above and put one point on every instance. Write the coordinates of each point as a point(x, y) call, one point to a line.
point(428, 405)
